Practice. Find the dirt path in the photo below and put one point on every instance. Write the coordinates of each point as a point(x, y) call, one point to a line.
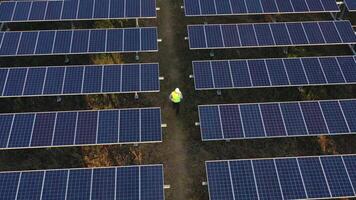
point(176, 158)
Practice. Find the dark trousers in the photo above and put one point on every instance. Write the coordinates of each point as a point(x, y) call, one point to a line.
point(176, 107)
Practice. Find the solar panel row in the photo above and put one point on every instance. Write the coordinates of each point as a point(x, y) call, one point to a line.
point(351, 5)
point(58, 42)
point(79, 128)
point(256, 73)
point(143, 182)
point(283, 178)
point(248, 7)
point(269, 120)
point(74, 80)
point(59, 10)
point(220, 36)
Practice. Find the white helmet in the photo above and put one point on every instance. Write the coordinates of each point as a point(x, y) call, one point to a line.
point(177, 90)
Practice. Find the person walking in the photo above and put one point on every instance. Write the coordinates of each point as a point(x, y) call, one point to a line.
point(176, 97)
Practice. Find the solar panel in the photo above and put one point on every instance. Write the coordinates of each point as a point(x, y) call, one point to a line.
point(128, 182)
point(79, 128)
point(281, 34)
point(71, 10)
point(278, 119)
point(86, 41)
point(256, 7)
point(278, 72)
point(79, 80)
point(315, 177)
point(351, 5)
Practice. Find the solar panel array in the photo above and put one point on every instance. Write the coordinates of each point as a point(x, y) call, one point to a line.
point(251, 7)
point(79, 80)
point(270, 120)
point(260, 73)
point(59, 10)
point(79, 128)
point(222, 36)
point(283, 178)
point(142, 182)
point(57, 42)
point(350, 4)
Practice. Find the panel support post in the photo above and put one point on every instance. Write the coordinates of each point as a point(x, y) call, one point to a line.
point(2, 26)
point(137, 24)
point(212, 54)
point(218, 92)
point(343, 10)
point(352, 47)
point(66, 59)
point(285, 50)
point(137, 57)
point(136, 95)
point(333, 15)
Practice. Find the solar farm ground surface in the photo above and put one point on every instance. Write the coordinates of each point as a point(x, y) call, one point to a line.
point(182, 151)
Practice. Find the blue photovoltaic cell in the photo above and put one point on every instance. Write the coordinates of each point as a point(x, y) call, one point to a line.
point(313, 71)
point(80, 80)
point(278, 72)
point(313, 176)
point(252, 121)
point(239, 73)
point(272, 119)
point(108, 127)
point(231, 121)
point(79, 184)
point(337, 176)
point(92, 79)
point(210, 123)
point(149, 77)
point(313, 116)
point(77, 128)
point(150, 124)
point(21, 130)
point(219, 186)
point(5, 126)
point(12, 11)
point(151, 177)
point(266, 179)
point(129, 126)
point(104, 183)
point(130, 75)
point(65, 128)
point(43, 129)
point(30, 186)
point(351, 5)
point(221, 71)
point(334, 117)
point(290, 179)
point(253, 7)
point(34, 81)
point(279, 119)
point(85, 41)
point(213, 36)
point(128, 183)
point(9, 185)
point(55, 183)
point(143, 182)
point(242, 179)
point(86, 129)
point(317, 177)
point(258, 71)
point(293, 119)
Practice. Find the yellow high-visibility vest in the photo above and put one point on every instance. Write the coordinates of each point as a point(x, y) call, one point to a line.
point(175, 97)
